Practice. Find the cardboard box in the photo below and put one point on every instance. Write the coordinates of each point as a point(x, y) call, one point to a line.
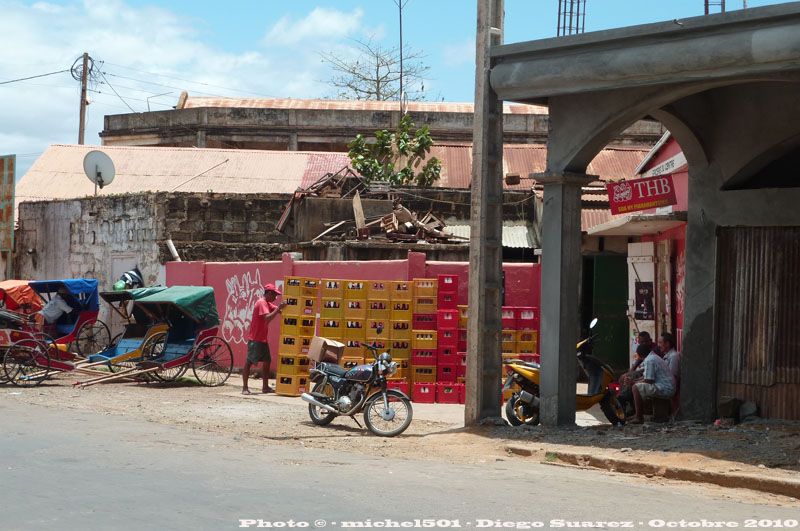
point(323, 349)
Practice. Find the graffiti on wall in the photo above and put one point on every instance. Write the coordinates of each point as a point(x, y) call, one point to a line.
point(242, 293)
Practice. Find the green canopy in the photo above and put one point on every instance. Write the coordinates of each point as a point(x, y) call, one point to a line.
point(197, 302)
point(118, 300)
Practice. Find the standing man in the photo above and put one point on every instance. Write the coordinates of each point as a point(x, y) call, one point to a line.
point(264, 311)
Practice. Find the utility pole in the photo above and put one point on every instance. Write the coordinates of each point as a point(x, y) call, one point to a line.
point(400, 5)
point(84, 76)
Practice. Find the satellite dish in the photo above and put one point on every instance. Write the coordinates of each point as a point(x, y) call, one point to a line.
point(99, 168)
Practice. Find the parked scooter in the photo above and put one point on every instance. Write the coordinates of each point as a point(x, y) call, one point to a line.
point(339, 391)
point(523, 406)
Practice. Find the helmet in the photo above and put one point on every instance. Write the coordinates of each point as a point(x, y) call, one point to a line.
point(119, 285)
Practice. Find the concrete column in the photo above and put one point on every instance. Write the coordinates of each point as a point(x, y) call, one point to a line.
point(292, 141)
point(484, 361)
point(201, 138)
point(561, 267)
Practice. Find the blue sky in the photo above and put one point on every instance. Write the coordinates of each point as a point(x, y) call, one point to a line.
point(243, 48)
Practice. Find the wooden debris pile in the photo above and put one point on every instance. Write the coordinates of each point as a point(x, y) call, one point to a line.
point(402, 224)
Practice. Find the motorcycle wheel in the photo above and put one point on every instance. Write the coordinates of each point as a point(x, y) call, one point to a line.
point(613, 410)
point(400, 412)
point(519, 414)
point(319, 416)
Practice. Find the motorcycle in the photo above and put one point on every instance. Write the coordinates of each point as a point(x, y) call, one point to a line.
point(523, 406)
point(346, 392)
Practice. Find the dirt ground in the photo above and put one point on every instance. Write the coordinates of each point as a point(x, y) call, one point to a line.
point(764, 447)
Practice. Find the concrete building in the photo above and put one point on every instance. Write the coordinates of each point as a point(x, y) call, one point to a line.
point(726, 87)
point(324, 125)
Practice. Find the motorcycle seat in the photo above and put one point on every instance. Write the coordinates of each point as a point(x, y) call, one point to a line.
point(335, 370)
point(532, 364)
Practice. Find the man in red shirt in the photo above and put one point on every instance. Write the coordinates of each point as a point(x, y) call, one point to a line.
point(257, 348)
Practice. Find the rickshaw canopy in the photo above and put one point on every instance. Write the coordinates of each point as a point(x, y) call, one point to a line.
point(17, 294)
point(196, 302)
point(118, 300)
point(81, 292)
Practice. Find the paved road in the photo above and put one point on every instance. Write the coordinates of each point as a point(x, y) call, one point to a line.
point(77, 470)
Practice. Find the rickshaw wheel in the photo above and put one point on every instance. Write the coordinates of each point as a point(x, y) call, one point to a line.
point(212, 361)
point(153, 350)
point(26, 363)
point(92, 337)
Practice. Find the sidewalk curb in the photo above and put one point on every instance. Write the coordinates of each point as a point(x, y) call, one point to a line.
point(781, 486)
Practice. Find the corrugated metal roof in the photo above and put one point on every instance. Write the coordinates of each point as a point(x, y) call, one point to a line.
point(58, 173)
point(592, 217)
point(353, 105)
point(515, 235)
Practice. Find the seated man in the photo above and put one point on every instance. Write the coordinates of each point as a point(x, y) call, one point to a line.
point(656, 382)
point(57, 307)
point(645, 344)
point(673, 359)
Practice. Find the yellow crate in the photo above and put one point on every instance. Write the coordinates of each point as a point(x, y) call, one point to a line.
point(291, 384)
point(304, 343)
point(401, 290)
point(425, 287)
point(289, 345)
point(352, 348)
point(425, 304)
point(462, 316)
point(331, 308)
point(423, 374)
point(378, 309)
point(372, 328)
point(401, 311)
point(293, 286)
point(348, 362)
point(507, 347)
point(401, 349)
point(308, 326)
point(461, 379)
point(403, 369)
point(310, 287)
point(292, 364)
point(526, 347)
point(290, 325)
point(355, 309)
point(377, 289)
point(355, 289)
point(293, 306)
point(400, 330)
point(354, 329)
point(508, 336)
point(423, 339)
point(331, 328)
point(331, 288)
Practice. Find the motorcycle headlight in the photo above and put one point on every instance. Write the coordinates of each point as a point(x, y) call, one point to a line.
point(391, 369)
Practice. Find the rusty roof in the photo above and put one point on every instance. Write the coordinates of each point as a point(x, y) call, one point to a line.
point(352, 105)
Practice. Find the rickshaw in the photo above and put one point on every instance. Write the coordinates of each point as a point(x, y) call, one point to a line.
point(79, 328)
point(18, 319)
point(191, 314)
point(140, 329)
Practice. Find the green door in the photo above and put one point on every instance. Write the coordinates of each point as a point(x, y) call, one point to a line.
point(610, 306)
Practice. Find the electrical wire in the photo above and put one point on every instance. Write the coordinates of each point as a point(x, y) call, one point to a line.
point(32, 77)
point(422, 197)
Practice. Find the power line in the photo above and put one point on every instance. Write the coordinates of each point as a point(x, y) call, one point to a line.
point(33, 77)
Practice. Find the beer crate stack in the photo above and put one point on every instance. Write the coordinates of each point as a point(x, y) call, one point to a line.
point(399, 325)
point(298, 326)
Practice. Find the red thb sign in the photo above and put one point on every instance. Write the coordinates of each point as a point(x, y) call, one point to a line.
point(641, 194)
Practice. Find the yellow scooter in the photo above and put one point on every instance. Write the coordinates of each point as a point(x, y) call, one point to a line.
point(523, 406)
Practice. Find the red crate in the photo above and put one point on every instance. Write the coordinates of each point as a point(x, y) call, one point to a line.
point(424, 321)
point(448, 283)
point(462, 393)
point(509, 316)
point(527, 318)
point(425, 393)
point(447, 372)
point(447, 337)
point(400, 385)
point(448, 393)
point(447, 355)
point(447, 301)
point(424, 356)
point(462, 340)
point(447, 319)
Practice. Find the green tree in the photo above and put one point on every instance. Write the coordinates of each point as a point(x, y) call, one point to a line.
point(395, 157)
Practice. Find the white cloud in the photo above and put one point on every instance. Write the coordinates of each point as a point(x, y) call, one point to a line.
point(144, 52)
point(321, 23)
point(458, 55)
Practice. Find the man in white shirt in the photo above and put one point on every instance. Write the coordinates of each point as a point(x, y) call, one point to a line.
point(673, 358)
point(657, 382)
point(55, 309)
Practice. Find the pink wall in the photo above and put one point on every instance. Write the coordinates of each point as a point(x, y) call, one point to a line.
point(238, 285)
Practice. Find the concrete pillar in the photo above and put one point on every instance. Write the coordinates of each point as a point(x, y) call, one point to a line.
point(292, 141)
point(201, 138)
point(484, 361)
point(561, 267)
